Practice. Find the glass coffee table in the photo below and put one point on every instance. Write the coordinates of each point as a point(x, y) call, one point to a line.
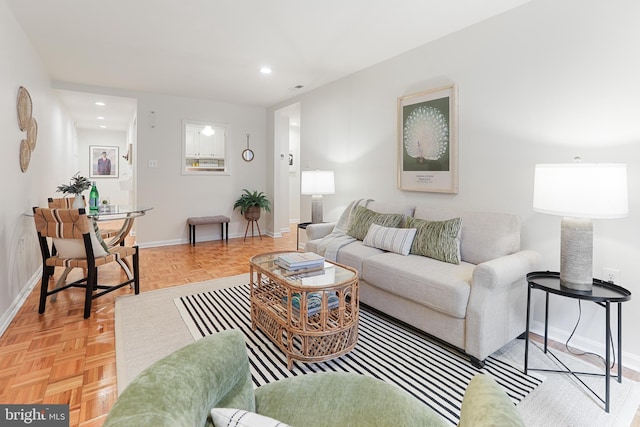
point(311, 317)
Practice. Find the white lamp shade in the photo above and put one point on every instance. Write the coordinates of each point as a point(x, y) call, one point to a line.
point(583, 190)
point(317, 183)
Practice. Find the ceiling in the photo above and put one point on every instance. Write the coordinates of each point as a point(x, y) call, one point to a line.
point(214, 49)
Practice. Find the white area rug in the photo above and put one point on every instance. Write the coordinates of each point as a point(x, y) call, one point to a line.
point(149, 327)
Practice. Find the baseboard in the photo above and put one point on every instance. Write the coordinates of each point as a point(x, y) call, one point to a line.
point(208, 239)
point(8, 316)
point(629, 360)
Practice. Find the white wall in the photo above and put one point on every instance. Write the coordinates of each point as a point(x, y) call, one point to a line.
point(542, 83)
point(174, 196)
point(58, 155)
point(52, 162)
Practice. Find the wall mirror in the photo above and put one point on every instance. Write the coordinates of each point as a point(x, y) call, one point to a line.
point(204, 148)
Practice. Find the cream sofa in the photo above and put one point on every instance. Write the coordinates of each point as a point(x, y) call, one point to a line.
point(478, 305)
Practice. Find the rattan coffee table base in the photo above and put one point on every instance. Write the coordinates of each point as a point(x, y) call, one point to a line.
point(322, 336)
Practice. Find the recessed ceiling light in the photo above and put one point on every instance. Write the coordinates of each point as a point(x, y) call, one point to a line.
point(265, 70)
point(103, 127)
point(100, 103)
point(100, 118)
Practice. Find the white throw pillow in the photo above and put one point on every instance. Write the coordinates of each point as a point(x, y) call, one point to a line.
point(228, 417)
point(396, 240)
point(74, 248)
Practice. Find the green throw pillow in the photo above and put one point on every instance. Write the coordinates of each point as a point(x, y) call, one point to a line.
point(363, 218)
point(436, 239)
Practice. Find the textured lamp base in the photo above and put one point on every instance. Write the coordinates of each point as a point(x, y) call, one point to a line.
point(316, 209)
point(576, 254)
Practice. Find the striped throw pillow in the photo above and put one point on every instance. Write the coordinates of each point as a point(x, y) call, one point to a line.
point(437, 239)
point(396, 240)
point(363, 218)
point(227, 417)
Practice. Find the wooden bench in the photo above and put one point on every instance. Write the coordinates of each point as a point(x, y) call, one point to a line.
point(202, 220)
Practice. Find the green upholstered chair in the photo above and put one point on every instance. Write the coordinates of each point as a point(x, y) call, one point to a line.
point(182, 388)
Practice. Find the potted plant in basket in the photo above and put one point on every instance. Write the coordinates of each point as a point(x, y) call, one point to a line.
point(251, 204)
point(76, 186)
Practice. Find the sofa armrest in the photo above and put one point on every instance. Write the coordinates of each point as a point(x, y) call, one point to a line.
point(316, 231)
point(506, 270)
point(496, 313)
point(486, 404)
point(181, 388)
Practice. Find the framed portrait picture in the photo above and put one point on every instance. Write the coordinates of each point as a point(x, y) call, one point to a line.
point(428, 141)
point(104, 162)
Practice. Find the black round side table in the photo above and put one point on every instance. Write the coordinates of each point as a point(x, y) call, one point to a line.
point(603, 294)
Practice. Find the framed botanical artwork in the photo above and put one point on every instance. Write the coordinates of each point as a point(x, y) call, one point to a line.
point(428, 141)
point(103, 162)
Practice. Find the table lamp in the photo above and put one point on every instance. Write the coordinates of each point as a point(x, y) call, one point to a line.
point(579, 192)
point(316, 183)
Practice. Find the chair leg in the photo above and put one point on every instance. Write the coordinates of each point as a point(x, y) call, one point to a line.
point(92, 282)
point(136, 272)
point(44, 288)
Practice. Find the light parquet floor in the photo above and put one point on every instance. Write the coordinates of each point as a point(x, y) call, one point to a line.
point(59, 357)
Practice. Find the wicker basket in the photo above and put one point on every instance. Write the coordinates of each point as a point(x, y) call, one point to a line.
point(252, 213)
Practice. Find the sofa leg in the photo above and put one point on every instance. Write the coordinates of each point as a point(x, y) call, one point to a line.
point(477, 363)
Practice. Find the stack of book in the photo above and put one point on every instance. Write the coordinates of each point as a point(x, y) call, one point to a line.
point(294, 263)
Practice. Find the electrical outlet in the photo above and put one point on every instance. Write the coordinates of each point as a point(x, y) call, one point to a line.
point(152, 164)
point(610, 275)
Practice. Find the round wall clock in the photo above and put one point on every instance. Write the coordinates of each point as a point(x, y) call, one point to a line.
point(247, 153)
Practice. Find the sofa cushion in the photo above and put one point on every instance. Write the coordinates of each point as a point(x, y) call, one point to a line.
point(484, 235)
point(438, 285)
point(363, 218)
point(355, 253)
point(391, 208)
point(398, 240)
point(339, 399)
point(436, 239)
point(228, 417)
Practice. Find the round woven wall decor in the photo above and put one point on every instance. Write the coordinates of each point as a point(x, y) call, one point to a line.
point(32, 133)
point(24, 108)
point(25, 155)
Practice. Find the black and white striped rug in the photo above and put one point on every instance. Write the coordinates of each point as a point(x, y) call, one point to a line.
point(386, 349)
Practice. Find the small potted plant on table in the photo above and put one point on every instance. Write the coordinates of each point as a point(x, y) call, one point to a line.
point(76, 186)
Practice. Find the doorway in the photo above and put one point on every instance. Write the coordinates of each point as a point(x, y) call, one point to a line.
point(287, 128)
point(105, 121)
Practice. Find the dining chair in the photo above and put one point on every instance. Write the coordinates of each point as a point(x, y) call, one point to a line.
point(67, 202)
point(75, 245)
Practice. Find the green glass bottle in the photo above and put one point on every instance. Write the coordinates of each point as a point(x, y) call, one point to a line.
point(94, 197)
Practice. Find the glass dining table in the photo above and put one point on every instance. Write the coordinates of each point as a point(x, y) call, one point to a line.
point(111, 213)
point(115, 213)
